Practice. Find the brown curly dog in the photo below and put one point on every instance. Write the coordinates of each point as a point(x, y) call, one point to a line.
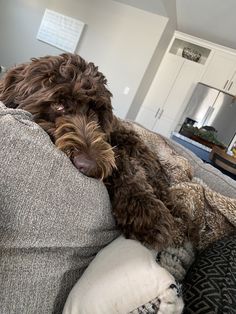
point(68, 98)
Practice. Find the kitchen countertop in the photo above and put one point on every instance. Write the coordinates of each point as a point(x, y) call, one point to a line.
point(202, 151)
point(188, 140)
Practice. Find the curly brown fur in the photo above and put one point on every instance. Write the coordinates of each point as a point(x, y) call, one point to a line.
point(66, 86)
point(68, 98)
point(81, 136)
point(139, 192)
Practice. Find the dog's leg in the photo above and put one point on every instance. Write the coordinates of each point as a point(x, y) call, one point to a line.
point(138, 190)
point(138, 212)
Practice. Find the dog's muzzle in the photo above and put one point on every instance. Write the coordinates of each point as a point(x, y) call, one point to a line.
point(85, 144)
point(85, 165)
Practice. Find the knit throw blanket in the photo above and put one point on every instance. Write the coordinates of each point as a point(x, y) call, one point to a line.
point(213, 212)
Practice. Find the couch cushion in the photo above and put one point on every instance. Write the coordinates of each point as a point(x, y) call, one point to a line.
point(53, 220)
point(213, 177)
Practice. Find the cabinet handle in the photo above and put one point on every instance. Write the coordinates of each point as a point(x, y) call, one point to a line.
point(230, 85)
point(161, 114)
point(226, 84)
point(157, 112)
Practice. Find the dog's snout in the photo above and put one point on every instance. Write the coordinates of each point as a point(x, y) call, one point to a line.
point(85, 165)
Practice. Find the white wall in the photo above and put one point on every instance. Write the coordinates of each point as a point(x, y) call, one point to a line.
point(163, 8)
point(118, 38)
point(151, 70)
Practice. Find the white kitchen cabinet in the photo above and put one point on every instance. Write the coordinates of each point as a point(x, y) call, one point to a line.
point(220, 72)
point(178, 97)
point(164, 126)
point(177, 77)
point(171, 88)
point(163, 82)
point(159, 90)
point(146, 117)
point(232, 85)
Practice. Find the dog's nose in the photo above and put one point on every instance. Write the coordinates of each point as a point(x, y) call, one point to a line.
point(85, 165)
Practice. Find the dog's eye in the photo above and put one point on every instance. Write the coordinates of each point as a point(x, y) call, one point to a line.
point(58, 107)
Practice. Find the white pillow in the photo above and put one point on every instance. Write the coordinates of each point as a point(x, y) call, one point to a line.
point(122, 277)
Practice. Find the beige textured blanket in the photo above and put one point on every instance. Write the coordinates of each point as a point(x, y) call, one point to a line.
point(214, 213)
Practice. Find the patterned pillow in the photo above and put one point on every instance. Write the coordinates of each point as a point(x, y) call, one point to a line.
point(210, 285)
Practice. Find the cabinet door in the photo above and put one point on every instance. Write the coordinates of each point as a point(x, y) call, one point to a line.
point(163, 82)
point(146, 117)
point(178, 97)
point(231, 88)
point(220, 71)
point(164, 126)
point(159, 90)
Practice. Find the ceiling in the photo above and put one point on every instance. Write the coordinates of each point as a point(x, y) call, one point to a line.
point(213, 20)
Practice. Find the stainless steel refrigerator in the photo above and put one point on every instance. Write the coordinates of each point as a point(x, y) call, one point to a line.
point(211, 107)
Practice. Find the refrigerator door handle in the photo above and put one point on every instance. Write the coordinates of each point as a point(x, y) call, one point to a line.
point(226, 84)
point(208, 113)
point(230, 85)
point(212, 109)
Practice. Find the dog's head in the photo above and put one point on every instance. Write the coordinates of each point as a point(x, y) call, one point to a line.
point(68, 97)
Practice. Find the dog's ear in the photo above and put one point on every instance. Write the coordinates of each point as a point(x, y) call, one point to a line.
point(21, 85)
point(102, 98)
point(9, 86)
point(91, 87)
point(105, 113)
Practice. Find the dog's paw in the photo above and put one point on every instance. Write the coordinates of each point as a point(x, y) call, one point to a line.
point(171, 301)
point(177, 260)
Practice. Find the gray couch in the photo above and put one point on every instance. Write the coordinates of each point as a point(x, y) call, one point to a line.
point(53, 220)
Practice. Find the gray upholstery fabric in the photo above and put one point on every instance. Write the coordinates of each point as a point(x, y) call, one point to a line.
point(215, 179)
point(53, 220)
